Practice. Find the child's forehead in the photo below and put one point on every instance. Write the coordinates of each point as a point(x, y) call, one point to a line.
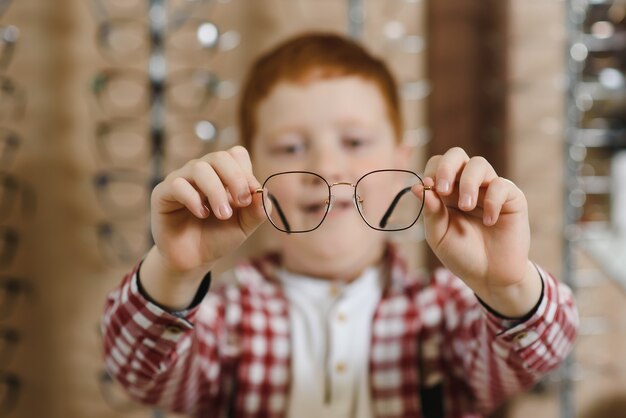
point(348, 97)
point(343, 89)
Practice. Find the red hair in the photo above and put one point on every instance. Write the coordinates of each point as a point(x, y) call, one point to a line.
point(311, 57)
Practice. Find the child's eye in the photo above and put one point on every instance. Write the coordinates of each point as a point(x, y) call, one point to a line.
point(355, 142)
point(289, 149)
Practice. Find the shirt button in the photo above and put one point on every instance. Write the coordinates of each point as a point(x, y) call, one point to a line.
point(341, 317)
point(340, 367)
point(334, 290)
point(172, 329)
point(517, 338)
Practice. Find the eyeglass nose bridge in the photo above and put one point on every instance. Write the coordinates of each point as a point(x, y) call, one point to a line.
point(356, 199)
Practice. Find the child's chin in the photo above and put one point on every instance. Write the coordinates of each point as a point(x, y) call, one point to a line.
point(340, 237)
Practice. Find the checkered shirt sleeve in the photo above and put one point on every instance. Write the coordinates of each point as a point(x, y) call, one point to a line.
point(162, 358)
point(495, 357)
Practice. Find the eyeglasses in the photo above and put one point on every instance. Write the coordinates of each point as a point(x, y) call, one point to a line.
point(117, 8)
point(8, 38)
point(128, 40)
point(13, 191)
point(9, 340)
point(128, 142)
point(124, 193)
point(10, 385)
point(9, 143)
point(10, 290)
point(120, 243)
point(122, 93)
point(12, 100)
point(9, 240)
point(299, 201)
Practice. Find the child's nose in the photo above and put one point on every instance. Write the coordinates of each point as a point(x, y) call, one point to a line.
point(330, 164)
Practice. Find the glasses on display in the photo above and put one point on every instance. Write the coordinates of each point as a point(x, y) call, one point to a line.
point(9, 144)
point(188, 38)
point(124, 193)
point(12, 100)
point(13, 194)
point(9, 340)
point(10, 386)
point(9, 240)
point(121, 243)
point(12, 289)
point(125, 92)
point(8, 39)
point(299, 201)
point(127, 142)
point(104, 9)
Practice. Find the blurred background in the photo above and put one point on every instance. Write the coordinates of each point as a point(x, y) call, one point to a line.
point(100, 98)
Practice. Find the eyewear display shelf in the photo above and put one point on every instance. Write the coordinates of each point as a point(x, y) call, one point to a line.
point(594, 233)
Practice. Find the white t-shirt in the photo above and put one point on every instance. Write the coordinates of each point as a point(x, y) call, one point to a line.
point(331, 336)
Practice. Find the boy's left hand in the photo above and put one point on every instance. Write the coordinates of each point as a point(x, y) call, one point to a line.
point(477, 225)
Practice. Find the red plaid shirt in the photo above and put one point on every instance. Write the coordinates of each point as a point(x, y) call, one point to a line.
point(425, 333)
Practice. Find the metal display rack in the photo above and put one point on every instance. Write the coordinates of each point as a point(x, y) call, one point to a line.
point(595, 132)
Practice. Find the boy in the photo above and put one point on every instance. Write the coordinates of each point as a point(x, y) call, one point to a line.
point(332, 324)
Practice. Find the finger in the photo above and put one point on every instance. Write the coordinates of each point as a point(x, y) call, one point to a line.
point(435, 213)
point(210, 184)
point(254, 215)
point(431, 166)
point(499, 192)
point(449, 169)
point(179, 193)
point(232, 176)
point(476, 173)
point(242, 157)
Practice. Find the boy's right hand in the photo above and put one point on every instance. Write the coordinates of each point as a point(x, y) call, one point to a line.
point(205, 210)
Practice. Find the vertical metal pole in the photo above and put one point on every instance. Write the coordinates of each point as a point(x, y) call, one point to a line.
point(571, 214)
point(355, 18)
point(157, 70)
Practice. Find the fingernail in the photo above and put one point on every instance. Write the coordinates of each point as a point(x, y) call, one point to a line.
point(487, 220)
point(443, 186)
point(245, 198)
point(205, 209)
point(466, 201)
point(225, 211)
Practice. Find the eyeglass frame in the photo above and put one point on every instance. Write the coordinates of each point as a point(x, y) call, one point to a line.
point(155, 143)
point(10, 338)
point(13, 384)
point(16, 190)
point(10, 142)
point(10, 88)
point(9, 35)
point(210, 86)
point(105, 27)
point(329, 203)
point(8, 251)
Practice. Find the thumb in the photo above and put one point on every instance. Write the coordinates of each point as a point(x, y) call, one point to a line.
point(436, 216)
point(253, 215)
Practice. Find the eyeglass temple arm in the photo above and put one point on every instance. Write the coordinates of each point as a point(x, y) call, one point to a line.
point(281, 214)
point(385, 218)
point(394, 203)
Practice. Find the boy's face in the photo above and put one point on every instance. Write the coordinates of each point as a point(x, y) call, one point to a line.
point(338, 128)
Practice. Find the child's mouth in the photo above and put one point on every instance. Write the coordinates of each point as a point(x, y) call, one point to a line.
point(320, 208)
